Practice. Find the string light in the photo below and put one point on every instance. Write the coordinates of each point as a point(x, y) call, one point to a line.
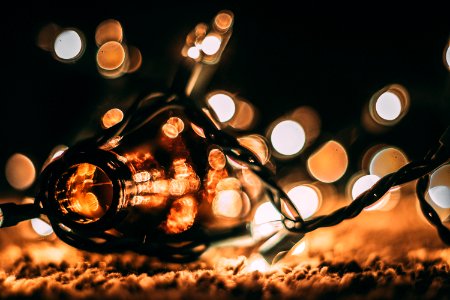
point(69, 45)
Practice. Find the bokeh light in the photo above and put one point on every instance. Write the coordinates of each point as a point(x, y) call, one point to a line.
point(287, 137)
point(20, 172)
point(112, 117)
point(245, 116)
point(69, 45)
point(193, 52)
point(223, 106)
point(362, 184)
point(386, 161)
point(211, 44)
point(41, 227)
point(216, 159)
point(309, 119)
point(329, 163)
point(223, 21)
point(299, 248)
point(110, 56)
point(228, 203)
point(266, 221)
point(389, 105)
point(306, 199)
point(134, 59)
point(47, 36)
point(446, 55)
point(439, 190)
point(256, 144)
point(108, 30)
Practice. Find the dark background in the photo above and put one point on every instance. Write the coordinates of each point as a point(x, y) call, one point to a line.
point(280, 56)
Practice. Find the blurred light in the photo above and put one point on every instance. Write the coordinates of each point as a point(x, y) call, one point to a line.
point(134, 59)
point(256, 144)
point(388, 106)
point(306, 199)
point(223, 21)
point(110, 56)
point(228, 204)
point(447, 55)
point(211, 44)
point(47, 36)
point(266, 221)
point(112, 117)
point(107, 31)
point(193, 52)
point(41, 227)
point(256, 262)
point(181, 215)
point(223, 105)
point(245, 115)
point(439, 189)
point(20, 172)
point(299, 248)
point(198, 130)
point(170, 130)
point(362, 184)
point(288, 137)
point(69, 45)
point(177, 122)
point(386, 161)
point(309, 119)
point(229, 183)
point(329, 163)
point(216, 159)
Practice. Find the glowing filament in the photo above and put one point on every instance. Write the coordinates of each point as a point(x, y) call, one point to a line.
point(223, 21)
point(181, 215)
point(229, 183)
point(216, 159)
point(108, 30)
point(439, 190)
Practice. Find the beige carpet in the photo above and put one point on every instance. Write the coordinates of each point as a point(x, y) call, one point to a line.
point(377, 255)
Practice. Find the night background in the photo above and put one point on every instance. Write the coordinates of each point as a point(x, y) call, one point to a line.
point(281, 56)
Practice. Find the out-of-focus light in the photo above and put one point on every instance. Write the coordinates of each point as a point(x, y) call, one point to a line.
point(266, 221)
point(108, 30)
point(299, 248)
point(134, 59)
point(329, 163)
point(223, 21)
point(216, 159)
point(173, 127)
point(228, 204)
point(223, 105)
point(288, 137)
point(306, 199)
point(211, 44)
point(245, 116)
point(256, 144)
point(47, 36)
point(177, 122)
point(447, 55)
point(388, 106)
point(110, 55)
point(439, 189)
point(386, 161)
point(112, 117)
point(309, 119)
point(198, 130)
point(193, 52)
point(41, 227)
point(362, 184)
point(256, 262)
point(20, 172)
point(69, 45)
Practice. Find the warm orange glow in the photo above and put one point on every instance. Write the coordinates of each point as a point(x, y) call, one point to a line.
point(251, 183)
point(386, 161)
point(245, 116)
point(329, 163)
point(134, 59)
point(198, 130)
point(229, 183)
point(212, 179)
point(170, 130)
point(20, 172)
point(178, 187)
point(47, 36)
point(223, 21)
point(446, 55)
point(193, 52)
point(228, 203)
point(216, 159)
point(110, 56)
point(112, 117)
point(107, 31)
point(177, 122)
point(439, 189)
point(181, 215)
point(256, 144)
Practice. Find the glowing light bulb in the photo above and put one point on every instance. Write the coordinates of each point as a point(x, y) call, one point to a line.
point(112, 117)
point(387, 161)
point(256, 262)
point(177, 122)
point(110, 56)
point(228, 204)
point(216, 159)
point(306, 199)
point(170, 130)
point(299, 248)
point(108, 30)
point(257, 144)
point(223, 20)
point(211, 44)
point(388, 106)
point(68, 45)
point(329, 163)
point(266, 221)
point(288, 137)
point(439, 189)
point(193, 52)
point(41, 228)
point(223, 105)
point(20, 172)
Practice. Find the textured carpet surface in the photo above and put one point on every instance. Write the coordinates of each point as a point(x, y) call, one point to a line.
point(377, 255)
